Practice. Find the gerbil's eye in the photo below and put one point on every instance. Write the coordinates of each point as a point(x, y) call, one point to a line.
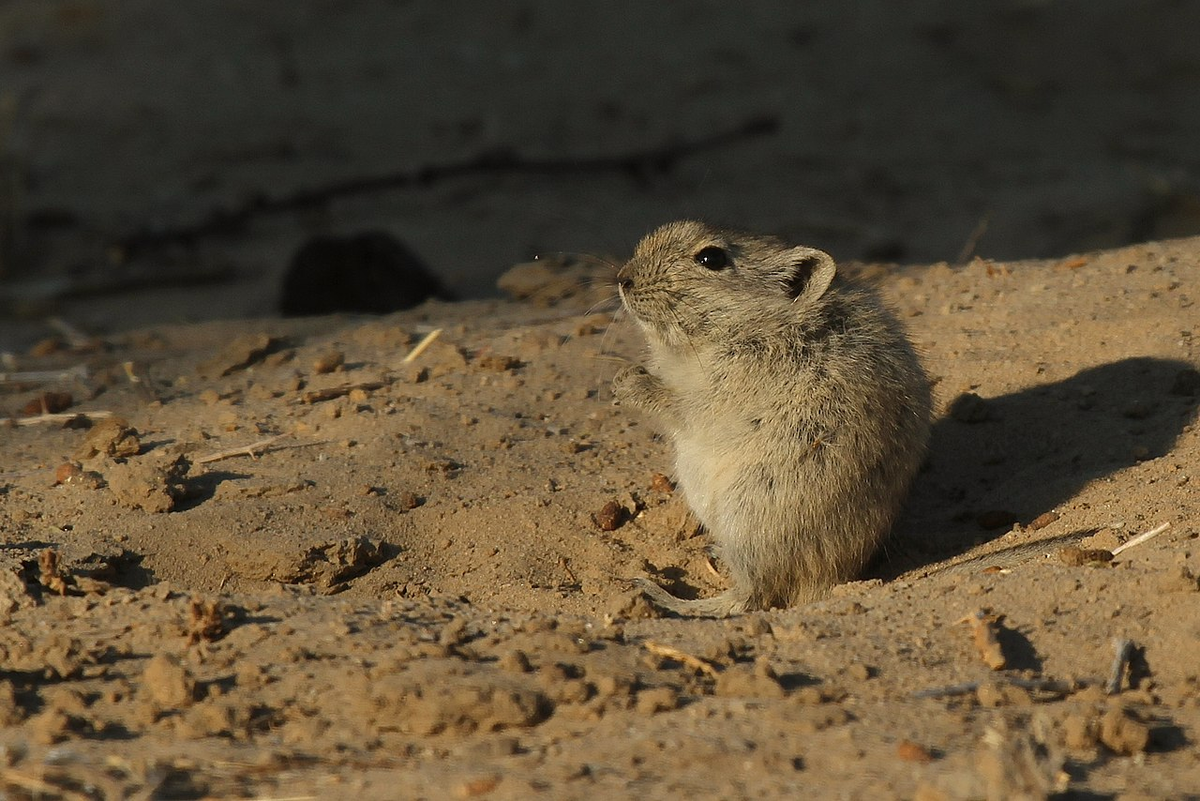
point(712, 257)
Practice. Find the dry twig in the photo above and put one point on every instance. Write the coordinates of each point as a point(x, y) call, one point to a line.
point(1140, 538)
point(79, 372)
point(330, 393)
point(421, 346)
point(252, 450)
point(60, 417)
point(74, 336)
point(968, 248)
point(39, 787)
point(694, 662)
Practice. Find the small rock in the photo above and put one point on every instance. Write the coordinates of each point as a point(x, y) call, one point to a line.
point(1122, 734)
point(1079, 732)
point(631, 605)
point(496, 363)
point(408, 501)
point(610, 517)
point(909, 751)
point(660, 483)
point(657, 699)
point(240, 354)
point(168, 683)
point(749, 681)
point(112, 437)
point(473, 788)
point(858, 671)
point(152, 485)
point(65, 472)
point(329, 361)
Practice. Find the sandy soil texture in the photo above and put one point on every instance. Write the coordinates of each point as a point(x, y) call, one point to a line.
point(418, 576)
point(344, 557)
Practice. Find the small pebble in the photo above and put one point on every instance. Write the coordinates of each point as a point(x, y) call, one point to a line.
point(660, 483)
point(913, 752)
point(329, 361)
point(610, 517)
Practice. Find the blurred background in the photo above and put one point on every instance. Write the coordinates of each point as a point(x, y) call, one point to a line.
point(163, 162)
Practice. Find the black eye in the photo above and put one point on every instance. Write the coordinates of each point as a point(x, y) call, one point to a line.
point(712, 257)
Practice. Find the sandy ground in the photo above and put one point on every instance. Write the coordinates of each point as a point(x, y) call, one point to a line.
point(293, 563)
point(408, 584)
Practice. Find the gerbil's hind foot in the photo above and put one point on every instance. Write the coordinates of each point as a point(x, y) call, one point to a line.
point(723, 605)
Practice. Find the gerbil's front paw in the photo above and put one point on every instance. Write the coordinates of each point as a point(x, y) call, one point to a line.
point(633, 385)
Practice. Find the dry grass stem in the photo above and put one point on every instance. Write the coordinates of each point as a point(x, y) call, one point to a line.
point(60, 417)
point(421, 346)
point(683, 658)
point(252, 450)
point(1140, 538)
point(73, 335)
point(79, 372)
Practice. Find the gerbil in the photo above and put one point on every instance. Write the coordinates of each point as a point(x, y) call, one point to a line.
point(798, 409)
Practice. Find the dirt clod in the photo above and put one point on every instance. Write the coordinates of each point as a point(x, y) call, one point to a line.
point(1121, 733)
point(151, 484)
point(909, 751)
point(328, 361)
point(112, 437)
point(167, 683)
point(239, 354)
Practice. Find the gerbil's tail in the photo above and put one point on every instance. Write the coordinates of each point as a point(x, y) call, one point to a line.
point(730, 602)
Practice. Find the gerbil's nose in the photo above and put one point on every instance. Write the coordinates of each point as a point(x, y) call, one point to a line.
point(624, 281)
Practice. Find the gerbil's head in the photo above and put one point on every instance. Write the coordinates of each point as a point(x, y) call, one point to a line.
point(688, 280)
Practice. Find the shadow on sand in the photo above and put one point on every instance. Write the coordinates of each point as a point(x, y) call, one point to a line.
point(1034, 450)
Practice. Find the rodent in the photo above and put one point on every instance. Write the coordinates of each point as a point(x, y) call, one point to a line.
point(798, 408)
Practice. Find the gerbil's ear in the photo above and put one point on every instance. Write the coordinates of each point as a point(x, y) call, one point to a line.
point(810, 273)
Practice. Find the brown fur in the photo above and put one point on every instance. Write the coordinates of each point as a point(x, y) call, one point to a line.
point(797, 406)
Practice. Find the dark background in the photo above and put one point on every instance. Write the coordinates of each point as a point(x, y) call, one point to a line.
point(908, 132)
